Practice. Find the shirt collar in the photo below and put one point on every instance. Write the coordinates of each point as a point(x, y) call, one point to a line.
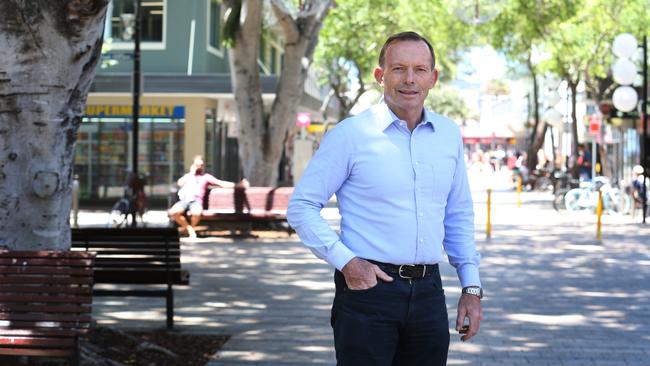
point(384, 116)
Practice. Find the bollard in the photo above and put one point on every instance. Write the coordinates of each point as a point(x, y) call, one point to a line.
point(518, 192)
point(75, 201)
point(599, 213)
point(488, 229)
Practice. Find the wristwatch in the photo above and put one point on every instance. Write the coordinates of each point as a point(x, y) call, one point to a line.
point(473, 290)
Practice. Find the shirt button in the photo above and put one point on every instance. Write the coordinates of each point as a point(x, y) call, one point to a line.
point(421, 214)
point(421, 240)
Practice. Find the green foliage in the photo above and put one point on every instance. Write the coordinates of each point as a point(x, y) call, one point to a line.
point(350, 40)
point(355, 30)
point(232, 13)
point(496, 87)
point(446, 100)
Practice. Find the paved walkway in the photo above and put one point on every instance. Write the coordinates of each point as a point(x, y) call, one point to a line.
point(554, 295)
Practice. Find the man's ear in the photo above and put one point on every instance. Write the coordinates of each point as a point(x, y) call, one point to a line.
point(434, 77)
point(379, 75)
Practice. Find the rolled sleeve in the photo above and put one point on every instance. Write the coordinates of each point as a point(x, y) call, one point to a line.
point(327, 171)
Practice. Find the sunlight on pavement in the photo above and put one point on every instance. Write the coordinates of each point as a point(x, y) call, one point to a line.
point(568, 319)
point(314, 285)
point(313, 348)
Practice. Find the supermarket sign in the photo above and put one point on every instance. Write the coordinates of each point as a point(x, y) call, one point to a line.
point(146, 111)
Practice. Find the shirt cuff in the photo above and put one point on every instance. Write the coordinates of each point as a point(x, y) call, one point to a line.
point(468, 275)
point(340, 255)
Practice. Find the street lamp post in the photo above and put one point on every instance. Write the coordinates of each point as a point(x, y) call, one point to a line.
point(136, 84)
point(644, 121)
point(625, 97)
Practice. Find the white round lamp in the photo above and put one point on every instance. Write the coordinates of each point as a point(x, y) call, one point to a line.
point(624, 45)
point(624, 71)
point(625, 98)
point(553, 117)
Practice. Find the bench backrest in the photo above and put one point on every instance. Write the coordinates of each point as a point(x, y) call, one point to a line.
point(252, 199)
point(132, 255)
point(45, 301)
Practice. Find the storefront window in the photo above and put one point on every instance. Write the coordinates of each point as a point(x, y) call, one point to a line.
point(221, 151)
point(103, 153)
point(122, 22)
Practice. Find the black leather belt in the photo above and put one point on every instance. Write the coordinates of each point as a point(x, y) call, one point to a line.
point(407, 271)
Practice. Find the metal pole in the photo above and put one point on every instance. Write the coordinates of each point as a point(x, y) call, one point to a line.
point(488, 226)
point(644, 121)
point(136, 84)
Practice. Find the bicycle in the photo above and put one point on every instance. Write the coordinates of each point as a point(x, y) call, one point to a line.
point(132, 203)
point(585, 197)
point(562, 182)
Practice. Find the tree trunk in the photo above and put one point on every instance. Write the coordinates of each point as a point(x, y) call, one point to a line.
point(247, 89)
point(261, 137)
point(538, 132)
point(574, 125)
point(50, 50)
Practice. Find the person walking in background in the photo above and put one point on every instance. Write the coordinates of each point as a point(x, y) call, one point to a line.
point(584, 163)
point(193, 186)
point(400, 180)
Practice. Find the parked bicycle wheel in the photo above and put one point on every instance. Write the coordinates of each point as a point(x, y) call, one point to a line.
point(572, 200)
point(616, 202)
point(558, 200)
point(119, 214)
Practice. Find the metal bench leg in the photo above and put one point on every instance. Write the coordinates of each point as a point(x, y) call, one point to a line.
point(76, 357)
point(170, 307)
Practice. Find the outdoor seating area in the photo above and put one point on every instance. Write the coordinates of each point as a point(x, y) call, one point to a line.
point(141, 262)
point(45, 303)
point(244, 208)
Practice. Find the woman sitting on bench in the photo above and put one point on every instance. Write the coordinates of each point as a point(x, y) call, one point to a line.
point(193, 187)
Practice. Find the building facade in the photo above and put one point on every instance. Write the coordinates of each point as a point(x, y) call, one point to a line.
point(187, 105)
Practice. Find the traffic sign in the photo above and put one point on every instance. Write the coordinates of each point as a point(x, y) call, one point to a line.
point(595, 122)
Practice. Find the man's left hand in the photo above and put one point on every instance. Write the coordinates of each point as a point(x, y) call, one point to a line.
point(469, 306)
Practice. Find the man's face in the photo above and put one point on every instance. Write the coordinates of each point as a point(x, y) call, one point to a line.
point(407, 75)
point(199, 164)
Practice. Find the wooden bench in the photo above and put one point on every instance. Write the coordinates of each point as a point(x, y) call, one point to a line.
point(247, 206)
point(140, 257)
point(45, 302)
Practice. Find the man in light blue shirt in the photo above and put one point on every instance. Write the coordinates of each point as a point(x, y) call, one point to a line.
point(399, 175)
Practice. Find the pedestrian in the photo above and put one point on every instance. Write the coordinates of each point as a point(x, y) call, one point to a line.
point(193, 186)
point(399, 176)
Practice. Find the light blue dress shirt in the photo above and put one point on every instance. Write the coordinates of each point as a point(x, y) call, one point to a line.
point(402, 195)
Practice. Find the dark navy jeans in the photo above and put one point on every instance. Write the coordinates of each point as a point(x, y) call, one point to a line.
point(399, 323)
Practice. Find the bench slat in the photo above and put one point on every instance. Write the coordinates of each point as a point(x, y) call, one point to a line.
point(49, 352)
point(51, 280)
point(137, 265)
point(46, 317)
point(44, 262)
point(44, 254)
point(43, 288)
point(137, 253)
point(159, 243)
point(78, 327)
point(37, 341)
point(149, 278)
point(67, 308)
point(47, 270)
point(45, 299)
point(38, 332)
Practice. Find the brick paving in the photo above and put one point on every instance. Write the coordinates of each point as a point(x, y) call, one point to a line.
point(554, 295)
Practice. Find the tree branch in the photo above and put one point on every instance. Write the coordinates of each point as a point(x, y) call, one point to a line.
point(286, 21)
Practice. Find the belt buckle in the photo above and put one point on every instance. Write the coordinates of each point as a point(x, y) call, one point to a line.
point(401, 268)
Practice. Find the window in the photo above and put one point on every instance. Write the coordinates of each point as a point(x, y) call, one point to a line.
point(122, 23)
point(214, 27)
